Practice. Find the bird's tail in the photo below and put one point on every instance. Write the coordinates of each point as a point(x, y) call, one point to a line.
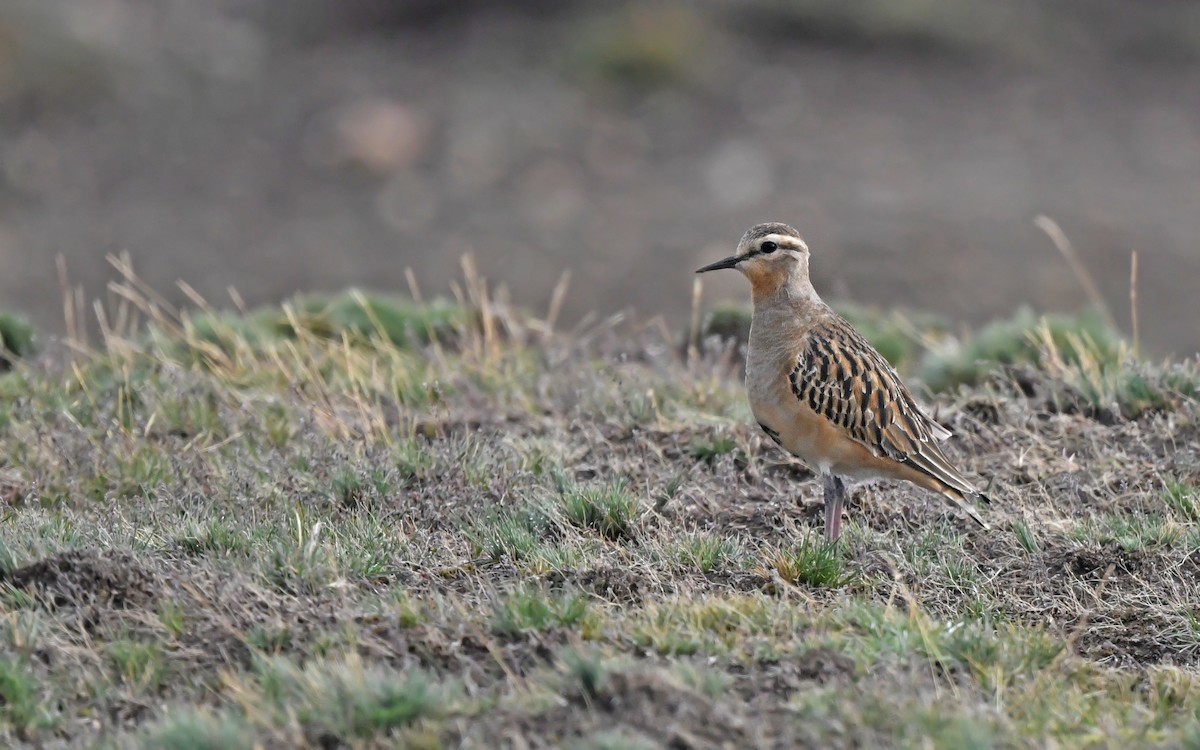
point(960, 499)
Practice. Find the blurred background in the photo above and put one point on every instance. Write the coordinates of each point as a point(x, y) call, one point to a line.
point(285, 145)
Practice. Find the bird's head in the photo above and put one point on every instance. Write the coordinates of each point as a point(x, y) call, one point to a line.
point(770, 255)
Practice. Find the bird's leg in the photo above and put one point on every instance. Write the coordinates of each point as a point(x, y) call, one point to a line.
point(835, 500)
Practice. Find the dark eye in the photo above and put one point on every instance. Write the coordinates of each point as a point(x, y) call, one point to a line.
point(768, 247)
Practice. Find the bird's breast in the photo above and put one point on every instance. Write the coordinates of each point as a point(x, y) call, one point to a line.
point(775, 407)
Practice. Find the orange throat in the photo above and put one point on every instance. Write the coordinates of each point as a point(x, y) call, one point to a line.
point(766, 283)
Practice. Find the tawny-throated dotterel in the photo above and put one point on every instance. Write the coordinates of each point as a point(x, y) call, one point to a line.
point(820, 391)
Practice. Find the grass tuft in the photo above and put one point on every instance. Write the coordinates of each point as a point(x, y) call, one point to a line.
point(708, 553)
point(708, 449)
point(1026, 536)
point(710, 682)
point(211, 536)
point(586, 671)
point(140, 664)
point(348, 489)
point(1131, 532)
point(610, 510)
point(1183, 498)
point(394, 319)
point(728, 324)
point(1114, 378)
point(197, 729)
point(299, 561)
point(1020, 339)
point(20, 701)
point(530, 609)
point(812, 562)
point(414, 461)
point(515, 533)
point(713, 625)
point(337, 702)
point(211, 338)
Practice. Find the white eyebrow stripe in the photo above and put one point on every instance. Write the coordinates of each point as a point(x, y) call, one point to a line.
point(785, 241)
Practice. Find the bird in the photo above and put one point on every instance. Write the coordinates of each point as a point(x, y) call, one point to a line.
point(821, 392)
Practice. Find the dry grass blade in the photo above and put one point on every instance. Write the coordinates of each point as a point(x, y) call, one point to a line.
point(73, 307)
point(694, 326)
point(557, 298)
point(1067, 251)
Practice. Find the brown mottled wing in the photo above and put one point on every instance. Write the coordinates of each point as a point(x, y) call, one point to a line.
point(841, 377)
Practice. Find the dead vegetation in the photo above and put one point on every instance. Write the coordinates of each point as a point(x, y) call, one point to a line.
point(332, 530)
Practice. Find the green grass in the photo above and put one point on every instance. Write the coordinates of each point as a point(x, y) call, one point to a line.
point(1025, 536)
point(348, 489)
point(268, 639)
point(810, 563)
point(17, 339)
point(516, 533)
point(611, 510)
point(339, 700)
point(173, 618)
point(21, 703)
point(138, 472)
point(585, 672)
point(411, 460)
point(1130, 531)
point(704, 680)
point(191, 729)
point(707, 553)
point(395, 319)
point(211, 536)
point(710, 448)
point(1124, 384)
point(715, 625)
point(730, 324)
point(214, 338)
point(1182, 498)
point(299, 561)
point(528, 609)
point(1021, 339)
point(139, 664)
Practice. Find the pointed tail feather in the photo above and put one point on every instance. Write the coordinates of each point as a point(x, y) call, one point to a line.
point(959, 499)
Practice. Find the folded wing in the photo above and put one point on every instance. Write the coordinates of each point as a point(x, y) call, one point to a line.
point(842, 378)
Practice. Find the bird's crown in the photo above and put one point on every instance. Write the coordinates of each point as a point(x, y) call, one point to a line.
point(782, 235)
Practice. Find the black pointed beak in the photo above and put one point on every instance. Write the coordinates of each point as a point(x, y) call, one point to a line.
point(730, 262)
